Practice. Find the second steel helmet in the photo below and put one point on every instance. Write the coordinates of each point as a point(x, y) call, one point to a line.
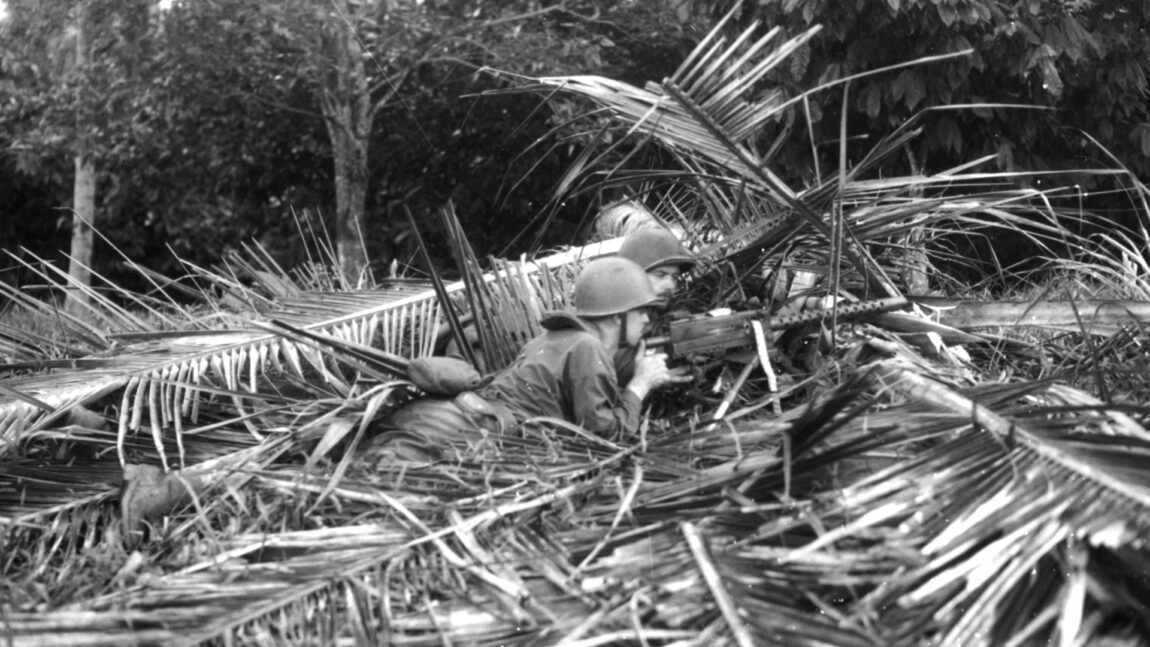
point(610, 286)
point(651, 247)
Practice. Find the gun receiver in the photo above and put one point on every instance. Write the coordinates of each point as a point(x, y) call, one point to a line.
point(705, 334)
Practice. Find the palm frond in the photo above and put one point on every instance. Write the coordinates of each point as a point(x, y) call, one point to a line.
point(1095, 317)
point(870, 570)
point(161, 381)
point(706, 115)
point(160, 385)
point(1005, 497)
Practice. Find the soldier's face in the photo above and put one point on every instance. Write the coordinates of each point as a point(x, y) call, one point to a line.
point(665, 280)
point(635, 326)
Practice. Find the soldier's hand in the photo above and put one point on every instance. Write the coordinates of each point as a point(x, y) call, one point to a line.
point(652, 372)
point(682, 374)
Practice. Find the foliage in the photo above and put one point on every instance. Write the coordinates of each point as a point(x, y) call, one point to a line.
point(970, 82)
point(212, 134)
point(897, 481)
point(58, 102)
point(1081, 67)
point(217, 136)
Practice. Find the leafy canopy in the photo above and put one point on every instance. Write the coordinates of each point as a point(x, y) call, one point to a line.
point(1086, 63)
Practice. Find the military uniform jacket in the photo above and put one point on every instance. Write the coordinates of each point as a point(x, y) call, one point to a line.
point(566, 373)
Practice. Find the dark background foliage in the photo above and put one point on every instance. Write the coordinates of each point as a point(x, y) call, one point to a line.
point(220, 146)
point(209, 135)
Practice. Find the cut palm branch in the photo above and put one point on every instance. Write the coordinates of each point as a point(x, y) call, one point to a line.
point(1089, 316)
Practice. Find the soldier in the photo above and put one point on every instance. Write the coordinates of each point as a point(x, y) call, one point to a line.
point(662, 257)
point(665, 260)
point(566, 372)
point(655, 249)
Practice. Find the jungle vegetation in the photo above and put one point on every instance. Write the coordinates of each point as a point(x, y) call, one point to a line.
point(179, 442)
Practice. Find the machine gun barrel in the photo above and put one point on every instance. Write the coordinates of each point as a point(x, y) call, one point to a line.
point(709, 333)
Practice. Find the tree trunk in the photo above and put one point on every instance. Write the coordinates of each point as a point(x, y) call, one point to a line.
point(916, 262)
point(346, 103)
point(83, 215)
point(83, 191)
point(350, 200)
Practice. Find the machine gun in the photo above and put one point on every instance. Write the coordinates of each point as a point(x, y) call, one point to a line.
point(710, 334)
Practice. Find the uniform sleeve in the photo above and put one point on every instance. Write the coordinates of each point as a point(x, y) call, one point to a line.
point(624, 365)
point(597, 402)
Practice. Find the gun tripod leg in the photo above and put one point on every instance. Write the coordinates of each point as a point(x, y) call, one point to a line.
point(733, 392)
point(765, 359)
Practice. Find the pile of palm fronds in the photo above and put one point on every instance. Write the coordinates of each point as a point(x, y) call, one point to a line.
point(961, 473)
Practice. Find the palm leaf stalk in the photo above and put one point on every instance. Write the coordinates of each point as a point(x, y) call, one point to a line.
point(494, 335)
point(453, 320)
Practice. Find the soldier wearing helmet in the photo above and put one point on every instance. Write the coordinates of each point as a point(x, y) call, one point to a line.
point(568, 371)
point(658, 251)
point(653, 248)
point(662, 257)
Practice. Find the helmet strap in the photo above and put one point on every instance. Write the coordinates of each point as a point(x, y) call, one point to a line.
point(623, 325)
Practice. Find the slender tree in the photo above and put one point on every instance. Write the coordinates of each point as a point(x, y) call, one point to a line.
point(84, 181)
point(349, 112)
point(76, 61)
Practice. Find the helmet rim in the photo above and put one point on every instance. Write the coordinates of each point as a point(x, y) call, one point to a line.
point(652, 247)
point(610, 286)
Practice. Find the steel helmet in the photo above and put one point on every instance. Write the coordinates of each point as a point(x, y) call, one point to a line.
point(652, 247)
point(611, 286)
